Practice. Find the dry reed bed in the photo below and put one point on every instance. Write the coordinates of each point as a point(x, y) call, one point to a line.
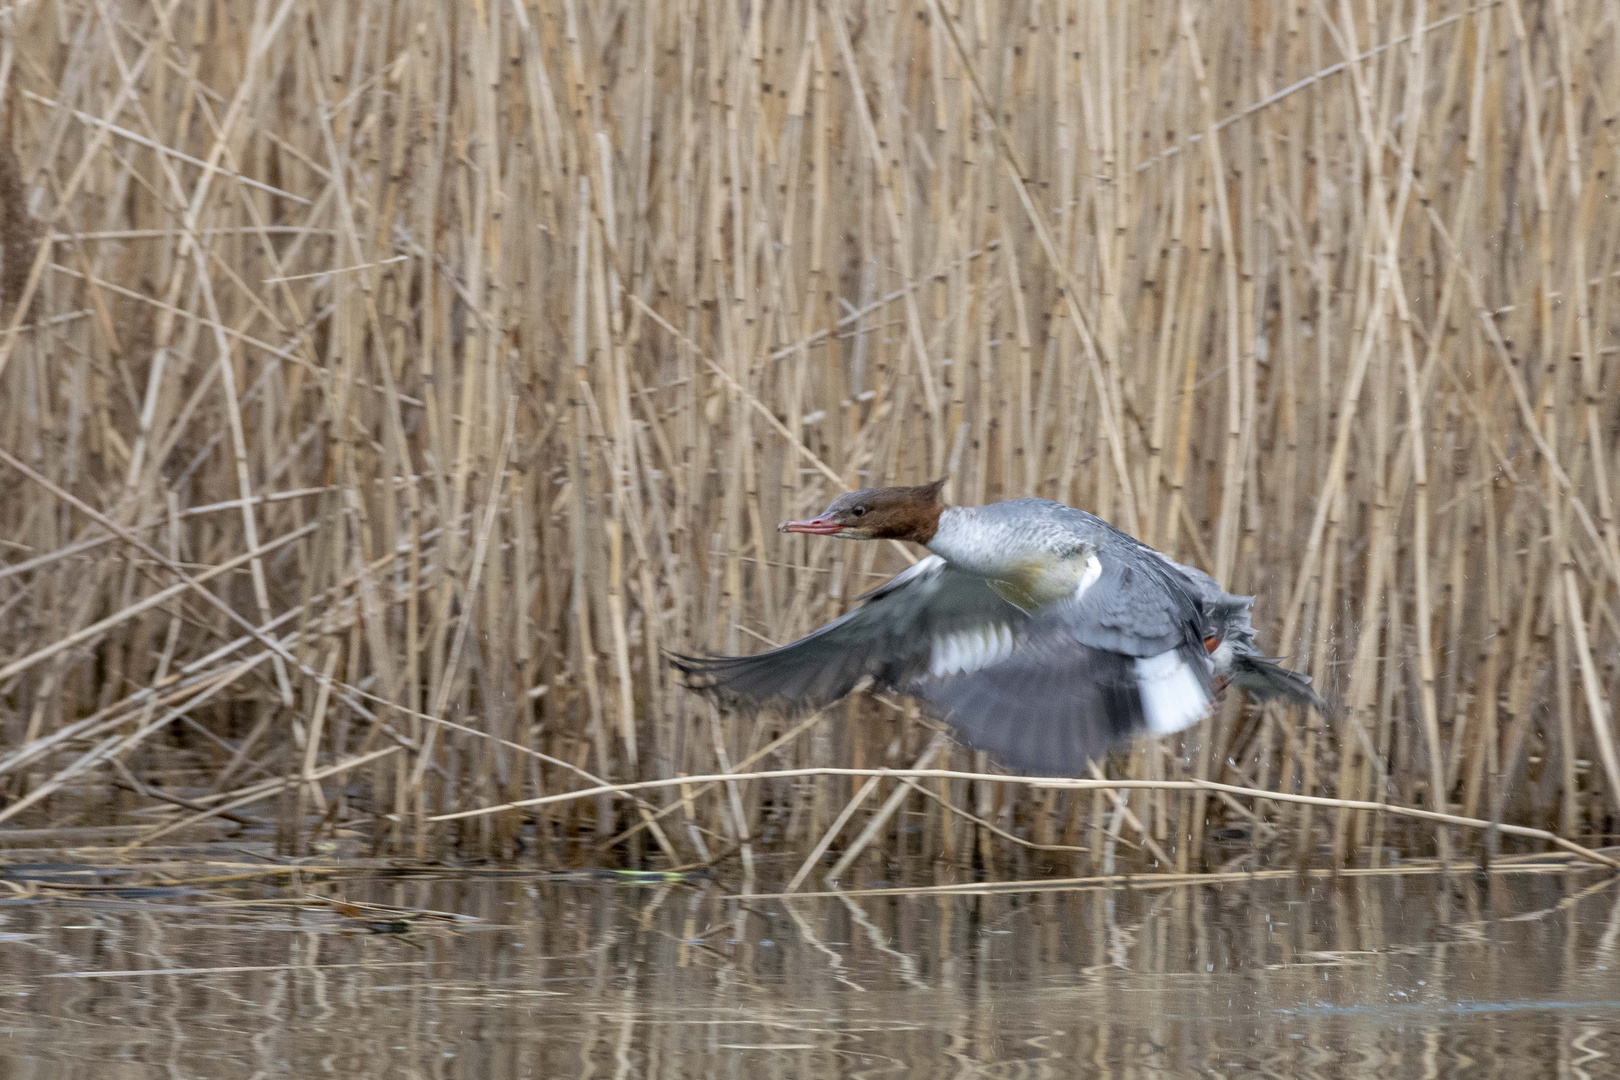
point(386, 384)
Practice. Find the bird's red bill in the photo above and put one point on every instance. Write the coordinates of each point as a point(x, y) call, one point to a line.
point(815, 526)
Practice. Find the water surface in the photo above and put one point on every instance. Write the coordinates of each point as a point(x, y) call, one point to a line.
point(1513, 976)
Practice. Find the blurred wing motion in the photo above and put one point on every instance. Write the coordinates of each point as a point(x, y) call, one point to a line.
point(893, 637)
point(1043, 691)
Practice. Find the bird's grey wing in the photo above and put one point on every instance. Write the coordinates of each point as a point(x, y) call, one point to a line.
point(1137, 603)
point(1046, 710)
point(1123, 656)
point(930, 616)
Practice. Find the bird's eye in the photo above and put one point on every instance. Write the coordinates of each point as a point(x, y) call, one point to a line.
point(858, 511)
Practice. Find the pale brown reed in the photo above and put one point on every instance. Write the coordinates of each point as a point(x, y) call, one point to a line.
point(386, 386)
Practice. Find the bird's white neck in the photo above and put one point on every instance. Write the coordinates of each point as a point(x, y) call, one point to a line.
point(969, 542)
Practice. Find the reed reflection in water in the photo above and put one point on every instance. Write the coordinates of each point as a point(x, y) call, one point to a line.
point(1512, 976)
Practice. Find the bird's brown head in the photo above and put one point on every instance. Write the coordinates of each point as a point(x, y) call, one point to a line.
point(891, 513)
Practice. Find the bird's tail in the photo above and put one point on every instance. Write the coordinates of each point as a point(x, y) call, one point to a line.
point(1268, 680)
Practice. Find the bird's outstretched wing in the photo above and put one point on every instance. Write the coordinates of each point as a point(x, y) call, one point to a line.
point(928, 616)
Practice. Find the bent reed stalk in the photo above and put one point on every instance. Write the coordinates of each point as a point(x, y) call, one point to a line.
point(386, 387)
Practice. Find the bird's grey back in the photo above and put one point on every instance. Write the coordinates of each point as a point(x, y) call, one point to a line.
point(1004, 530)
point(1053, 523)
point(1035, 524)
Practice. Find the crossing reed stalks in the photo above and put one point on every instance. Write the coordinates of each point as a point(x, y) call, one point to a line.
point(386, 386)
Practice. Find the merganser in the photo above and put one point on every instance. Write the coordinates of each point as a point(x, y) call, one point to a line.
point(1041, 633)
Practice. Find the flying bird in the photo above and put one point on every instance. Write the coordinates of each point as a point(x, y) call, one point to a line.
point(1041, 633)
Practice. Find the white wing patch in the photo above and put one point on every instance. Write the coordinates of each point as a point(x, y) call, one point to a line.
point(1172, 698)
point(970, 650)
point(1089, 578)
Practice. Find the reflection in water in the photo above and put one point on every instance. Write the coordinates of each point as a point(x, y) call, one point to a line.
point(1389, 977)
